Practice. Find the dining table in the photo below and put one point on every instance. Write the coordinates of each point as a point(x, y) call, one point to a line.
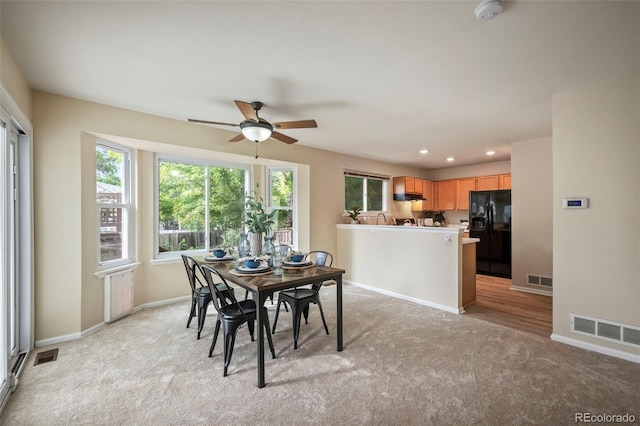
point(263, 285)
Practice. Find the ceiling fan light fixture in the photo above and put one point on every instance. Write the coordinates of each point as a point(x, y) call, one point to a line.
point(256, 132)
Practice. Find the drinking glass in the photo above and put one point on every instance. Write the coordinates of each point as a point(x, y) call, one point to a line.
point(277, 264)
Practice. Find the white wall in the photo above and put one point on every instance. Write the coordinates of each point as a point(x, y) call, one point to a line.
point(409, 262)
point(596, 251)
point(532, 204)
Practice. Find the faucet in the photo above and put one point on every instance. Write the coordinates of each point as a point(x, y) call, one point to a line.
point(378, 217)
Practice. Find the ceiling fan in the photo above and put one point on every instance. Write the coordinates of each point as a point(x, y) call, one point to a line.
point(258, 129)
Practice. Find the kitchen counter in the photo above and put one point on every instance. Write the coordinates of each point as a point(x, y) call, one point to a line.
point(425, 265)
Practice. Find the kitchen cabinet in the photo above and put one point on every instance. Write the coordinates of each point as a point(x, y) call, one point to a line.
point(505, 181)
point(418, 185)
point(463, 187)
point(468, 274)
point(429, 202)
point(487, 183)
point(446, 194)
point(406, 185)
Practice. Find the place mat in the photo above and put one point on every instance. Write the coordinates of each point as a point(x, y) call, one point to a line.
point(250, 274)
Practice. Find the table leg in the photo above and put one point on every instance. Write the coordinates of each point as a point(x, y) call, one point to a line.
point(260, 299)
point(339, 310)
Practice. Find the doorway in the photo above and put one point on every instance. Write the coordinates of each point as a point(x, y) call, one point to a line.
point(15, 248)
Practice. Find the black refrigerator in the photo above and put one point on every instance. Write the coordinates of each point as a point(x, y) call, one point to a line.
point(490, 220)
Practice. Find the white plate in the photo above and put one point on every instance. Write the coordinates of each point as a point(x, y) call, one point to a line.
point(305, 262)
point(217, 259)
point(263, 267)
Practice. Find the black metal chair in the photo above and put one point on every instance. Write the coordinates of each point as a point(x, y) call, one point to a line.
point(232, 314)
point(200, 293)
point(300, 298)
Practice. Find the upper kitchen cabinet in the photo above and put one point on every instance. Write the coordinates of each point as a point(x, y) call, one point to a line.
point(487, 183)
point(463, 187)
point(406, 185)
point(428, 193)
point(505, 181)
point(493, 182)
point(446, 194)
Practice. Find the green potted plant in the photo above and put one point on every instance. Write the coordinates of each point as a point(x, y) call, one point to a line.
point(257, 220)
point(353, 213)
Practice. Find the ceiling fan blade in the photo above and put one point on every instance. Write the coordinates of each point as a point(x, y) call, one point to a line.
point(283, 138)
point(300, 124)
point(193, 120)
point(247, 110)
point(237, 138)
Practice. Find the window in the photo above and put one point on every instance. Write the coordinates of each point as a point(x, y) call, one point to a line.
point(115, 213)
point(199, 206)
point(367, 191)
point(281, 198)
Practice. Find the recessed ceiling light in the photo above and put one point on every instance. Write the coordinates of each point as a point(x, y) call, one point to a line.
point(450, 159)
point(424, 151)
point(490, 152)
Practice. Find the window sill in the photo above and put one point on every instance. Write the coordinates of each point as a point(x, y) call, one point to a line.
point(166, 260)
point(129, 267)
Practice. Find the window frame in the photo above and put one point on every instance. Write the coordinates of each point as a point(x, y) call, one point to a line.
point(365, 176)
point(294, 206)
point(127, 204)
point(158, 157)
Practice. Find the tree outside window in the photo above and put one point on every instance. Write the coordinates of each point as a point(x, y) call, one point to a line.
point(367, 192)
point(196, 198)
point(281, 199)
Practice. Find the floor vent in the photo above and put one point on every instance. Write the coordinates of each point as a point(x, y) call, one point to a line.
point(539, 280)
point(46, 356)
point(607, 330)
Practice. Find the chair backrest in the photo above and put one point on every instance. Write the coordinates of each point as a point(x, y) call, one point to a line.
point(221, 299)
point(190, 265)
point(320, 258)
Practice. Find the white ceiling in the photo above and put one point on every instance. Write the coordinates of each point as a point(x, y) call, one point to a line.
point(383, 79)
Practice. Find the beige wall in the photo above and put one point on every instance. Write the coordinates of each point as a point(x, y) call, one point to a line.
point(596, 251)
point(13, 81)
point(531, 199)
point(69, 297)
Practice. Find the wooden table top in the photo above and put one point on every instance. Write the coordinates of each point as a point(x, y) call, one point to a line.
point(270, 282)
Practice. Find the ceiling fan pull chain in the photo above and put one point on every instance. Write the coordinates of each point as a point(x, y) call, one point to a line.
point(256, 150)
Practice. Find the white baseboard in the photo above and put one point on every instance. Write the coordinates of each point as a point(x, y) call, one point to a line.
point(74, 336)
point(407, 298)
point(57, 339)
point(532, 290)
point(596, 348)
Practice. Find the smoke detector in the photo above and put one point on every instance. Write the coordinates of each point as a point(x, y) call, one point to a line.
point(488, 9)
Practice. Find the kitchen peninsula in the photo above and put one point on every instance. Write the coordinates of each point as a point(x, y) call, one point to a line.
point(427, 265)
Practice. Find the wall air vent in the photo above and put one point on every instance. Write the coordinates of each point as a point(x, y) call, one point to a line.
point(539, 280)
point(606, 330)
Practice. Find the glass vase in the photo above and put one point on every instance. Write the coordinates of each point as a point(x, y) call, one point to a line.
point(244, 247)
point(268, 249)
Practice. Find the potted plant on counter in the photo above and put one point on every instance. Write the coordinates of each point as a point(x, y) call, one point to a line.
point(353, 213)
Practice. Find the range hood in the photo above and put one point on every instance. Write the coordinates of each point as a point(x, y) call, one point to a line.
point(407, 197)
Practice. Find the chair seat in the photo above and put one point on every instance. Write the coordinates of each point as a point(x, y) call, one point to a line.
point(203, 290)
point(299, 293)
point(233, 311)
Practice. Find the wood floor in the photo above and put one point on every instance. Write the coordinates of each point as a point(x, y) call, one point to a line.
point(497, 303)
